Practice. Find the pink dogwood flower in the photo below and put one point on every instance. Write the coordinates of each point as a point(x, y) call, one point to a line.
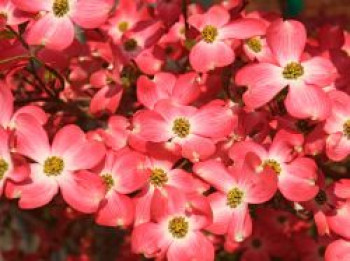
point(109, 95)
point(11, 120)
point(10, 168)
point(256, 48)
point(139, 40)
point(297, 175)
point(126, 16)
point(339, 250)
point(176, 234)
point(164, 187)
point(56, 167)
point(304, 77)
point(237, 188)
point(337, 126)
point(10, 15)
point(195, 130)
point(55, 28)
point(122, 174)
point(213, 49)
point(116, 135)
point(182, 89)
point(339, 217)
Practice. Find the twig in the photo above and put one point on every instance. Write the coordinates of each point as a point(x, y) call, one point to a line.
point(19, 37)
point(42, 85)
point(56, 74)
point(7, 60)
point(33, 71)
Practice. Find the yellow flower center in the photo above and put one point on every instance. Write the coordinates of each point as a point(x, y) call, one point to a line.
point(293, 71)
point(60, 7)
point(123, 26)
point(108, 180)
point(178, 227)
point(181, 127)
point(53, 166)
point(209, 34)
point(274, 165)
point(346, 129)
point(234, 197)
point(4, 166)
point(321, 197)
point(254, 44)
point(183, 30)
point(130, 45)
point(158, 177)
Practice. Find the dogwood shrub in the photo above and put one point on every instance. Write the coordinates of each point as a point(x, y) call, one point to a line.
point(192, 133)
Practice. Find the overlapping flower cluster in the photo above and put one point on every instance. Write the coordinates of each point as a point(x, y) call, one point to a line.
point(197, 130)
